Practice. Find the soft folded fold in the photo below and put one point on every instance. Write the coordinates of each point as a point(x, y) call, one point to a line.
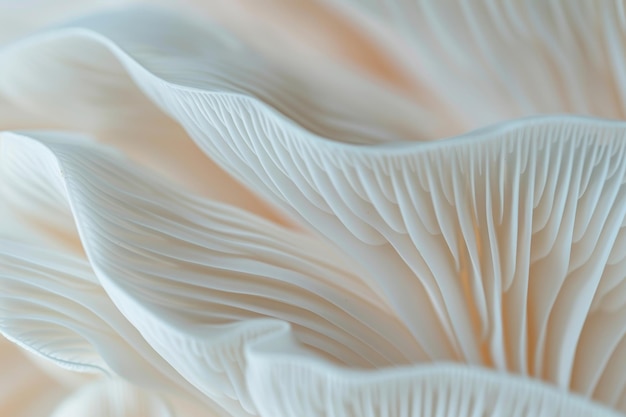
point(184, 270)
point(491, 61)
point(502, 248)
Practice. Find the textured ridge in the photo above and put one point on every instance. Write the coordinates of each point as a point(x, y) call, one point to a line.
point(503, 246)
point(182, 268)
point(53, 305)
point(431, 390)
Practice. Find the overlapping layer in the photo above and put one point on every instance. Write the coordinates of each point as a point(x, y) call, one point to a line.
point(501, 248)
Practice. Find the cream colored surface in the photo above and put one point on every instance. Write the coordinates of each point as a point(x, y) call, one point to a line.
point(255, 227)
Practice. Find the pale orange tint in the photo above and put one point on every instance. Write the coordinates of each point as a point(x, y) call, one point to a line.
point(320, 43)
point(308, 28)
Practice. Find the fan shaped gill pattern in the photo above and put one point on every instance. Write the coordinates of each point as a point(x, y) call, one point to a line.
point(503, 248)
